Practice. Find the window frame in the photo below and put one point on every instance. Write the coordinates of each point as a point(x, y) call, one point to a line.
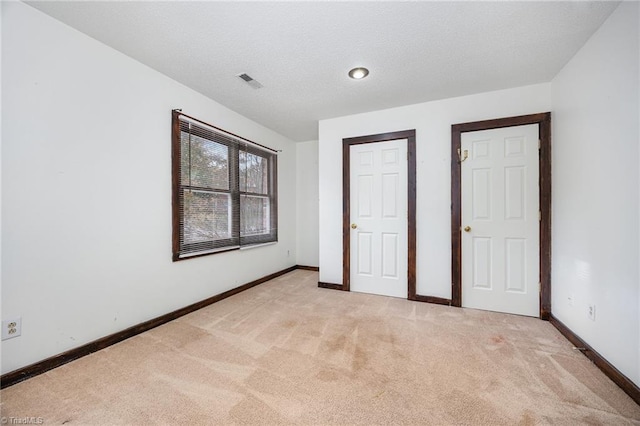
point(235, 145)
point(271, 195)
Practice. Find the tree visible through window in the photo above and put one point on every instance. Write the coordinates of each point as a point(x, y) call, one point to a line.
point(224, 191)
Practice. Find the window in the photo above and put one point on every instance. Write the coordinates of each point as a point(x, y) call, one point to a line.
point(224, 190)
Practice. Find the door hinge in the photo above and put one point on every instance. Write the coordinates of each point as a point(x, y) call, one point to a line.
point(539, 215)
point(539, 287)
point(539, 144)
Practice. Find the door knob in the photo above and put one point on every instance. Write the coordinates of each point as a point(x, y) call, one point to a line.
point(467, 228)
point(354, 226)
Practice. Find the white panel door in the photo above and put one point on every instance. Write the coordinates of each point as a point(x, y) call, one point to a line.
point(378, 206)
point(500, 220)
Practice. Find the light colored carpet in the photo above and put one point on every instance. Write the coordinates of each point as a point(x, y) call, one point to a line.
point(289, 352)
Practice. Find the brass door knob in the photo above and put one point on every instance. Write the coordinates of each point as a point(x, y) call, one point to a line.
point(354, 226)
point(467, 228)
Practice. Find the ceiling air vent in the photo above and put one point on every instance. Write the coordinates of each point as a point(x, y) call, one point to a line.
point(250, 81)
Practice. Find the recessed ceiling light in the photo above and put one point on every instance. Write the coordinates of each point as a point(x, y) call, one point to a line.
point(358, 73)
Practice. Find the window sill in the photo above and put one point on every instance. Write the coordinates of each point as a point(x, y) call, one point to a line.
point(206, 252)
point(222, 250)
point(252, 246)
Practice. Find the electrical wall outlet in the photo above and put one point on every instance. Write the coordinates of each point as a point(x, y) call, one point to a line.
point(571, 299)
point(591, 312)
point(11, 328)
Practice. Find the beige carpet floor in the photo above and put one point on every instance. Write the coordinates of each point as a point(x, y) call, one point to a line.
point(287, 352)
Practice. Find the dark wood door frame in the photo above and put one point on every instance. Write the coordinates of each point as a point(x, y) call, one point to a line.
point(410, 136)
point(544, 128)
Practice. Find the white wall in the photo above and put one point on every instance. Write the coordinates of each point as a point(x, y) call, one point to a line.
point(595, 191)
point(1, 102)
point(307, 203)
point(86, 191)
point(432, 121)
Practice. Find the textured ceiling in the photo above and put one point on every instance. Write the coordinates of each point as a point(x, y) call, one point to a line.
point(301, 51)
